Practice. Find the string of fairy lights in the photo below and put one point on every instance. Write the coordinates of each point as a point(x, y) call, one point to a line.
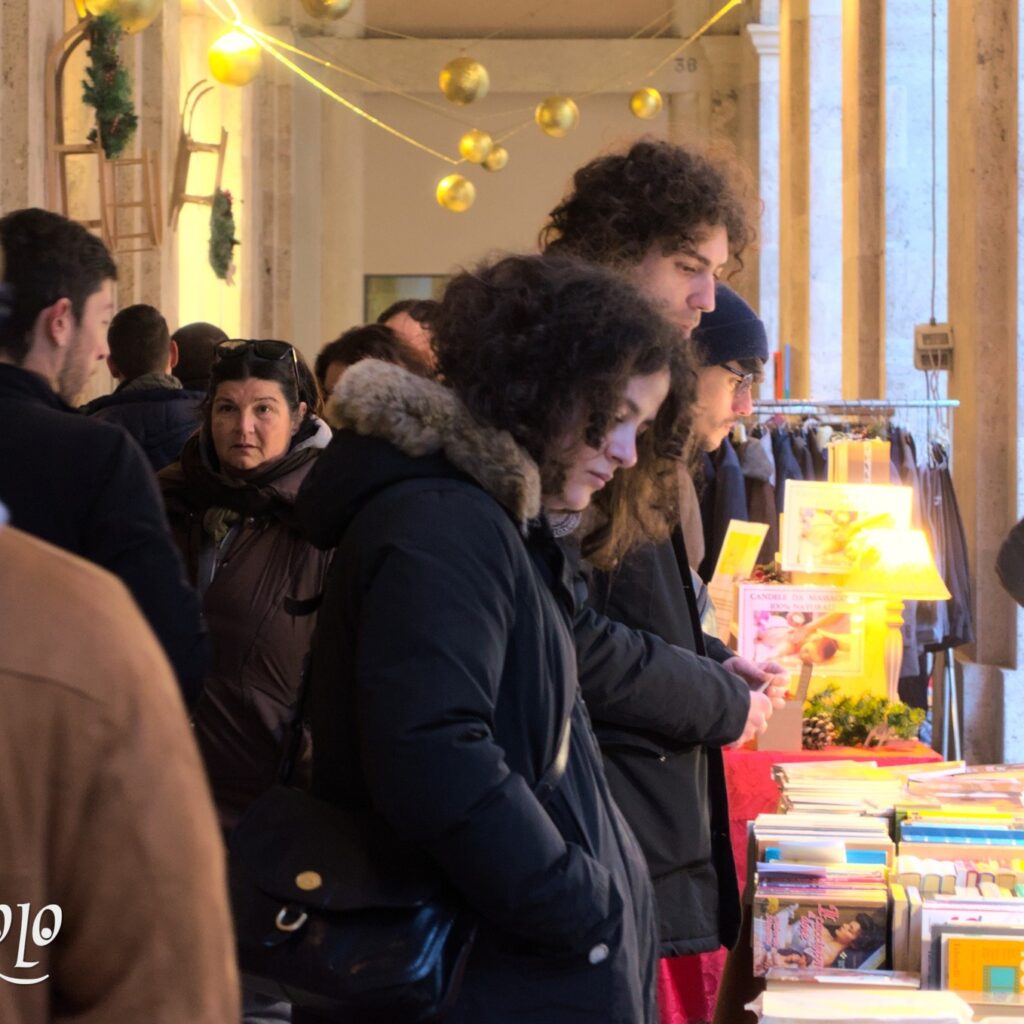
point(236, 59)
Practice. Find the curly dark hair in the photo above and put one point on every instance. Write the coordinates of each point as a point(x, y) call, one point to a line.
point(369, 341)
point(537, 345)
point(657, 195)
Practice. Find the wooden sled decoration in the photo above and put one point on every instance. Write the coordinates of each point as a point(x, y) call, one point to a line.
point(186, 147)
point(146, 197)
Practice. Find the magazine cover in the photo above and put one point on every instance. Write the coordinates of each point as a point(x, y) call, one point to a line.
point(847, 934)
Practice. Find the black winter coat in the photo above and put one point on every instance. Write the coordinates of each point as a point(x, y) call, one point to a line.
point(160, 419)
point(443, 668)
point(661, 726)
point(86, 487)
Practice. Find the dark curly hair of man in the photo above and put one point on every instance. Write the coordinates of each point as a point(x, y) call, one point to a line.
point(544, 346)
point(657, 195)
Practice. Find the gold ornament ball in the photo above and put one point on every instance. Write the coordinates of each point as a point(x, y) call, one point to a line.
point(464, 80)
point(475, 146)
point(134, 15)
point(496, 159)
point(557, 116)
point(328, 10)
point(455, 193)
point(235, 59)
point(646, 103)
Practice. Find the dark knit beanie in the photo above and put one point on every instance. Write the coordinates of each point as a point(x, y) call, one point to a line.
point(731, 331)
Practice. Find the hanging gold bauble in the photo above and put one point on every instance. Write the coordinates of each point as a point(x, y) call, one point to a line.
point(646, 103)
point(455, 193)
point(134, 15)
point(557, 116)
point(328, 10)
point(463, 80)
point(496, 159)
point(235, 58)
point(475, 146)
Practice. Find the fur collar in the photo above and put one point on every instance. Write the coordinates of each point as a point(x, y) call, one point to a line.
point(421, 417)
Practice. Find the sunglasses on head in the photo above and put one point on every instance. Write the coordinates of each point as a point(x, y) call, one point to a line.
point(270, 351)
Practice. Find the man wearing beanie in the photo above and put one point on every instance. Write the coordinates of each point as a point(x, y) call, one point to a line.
point(732, 347)
point(670, 218)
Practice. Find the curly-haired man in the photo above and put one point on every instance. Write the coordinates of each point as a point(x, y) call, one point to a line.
point(670, 218)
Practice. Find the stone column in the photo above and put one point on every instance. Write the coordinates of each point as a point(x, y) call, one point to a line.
point(984, 301)
point(811, 229)
point(863, 157)
point(27, 30)
point(909, 130)
point(762, 129)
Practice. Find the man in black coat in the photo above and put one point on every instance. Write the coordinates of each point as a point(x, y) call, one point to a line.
point(149, 402)
point(673, 219)
point(82, 485)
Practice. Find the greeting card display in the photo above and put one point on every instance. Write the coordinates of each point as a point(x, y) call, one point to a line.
point(825, 525)
point(802, 625)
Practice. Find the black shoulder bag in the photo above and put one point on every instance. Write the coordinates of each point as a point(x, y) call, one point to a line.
point(334, 913)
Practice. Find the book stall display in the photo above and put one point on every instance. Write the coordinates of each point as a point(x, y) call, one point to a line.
point(890, 893)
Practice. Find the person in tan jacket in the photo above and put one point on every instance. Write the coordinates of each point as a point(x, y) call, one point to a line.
point(113, 906)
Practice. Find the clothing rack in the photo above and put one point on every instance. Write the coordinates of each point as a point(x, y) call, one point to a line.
point(945, 704)
point(801, 406)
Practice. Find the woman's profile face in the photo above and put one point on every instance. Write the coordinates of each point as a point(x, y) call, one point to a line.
point(589, 469)
point(848, 932)
point(251, 423)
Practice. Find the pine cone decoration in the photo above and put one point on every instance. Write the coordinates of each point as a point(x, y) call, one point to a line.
point(818, 732)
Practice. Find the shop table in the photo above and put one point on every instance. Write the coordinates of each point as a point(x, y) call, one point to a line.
point(688, 985)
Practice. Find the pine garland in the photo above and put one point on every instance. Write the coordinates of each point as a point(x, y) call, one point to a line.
point(108, 88)
point(864, 720)
point(222, 235)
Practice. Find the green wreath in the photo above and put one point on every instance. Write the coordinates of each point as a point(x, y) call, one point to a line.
point(222, 234)
point(108, 88)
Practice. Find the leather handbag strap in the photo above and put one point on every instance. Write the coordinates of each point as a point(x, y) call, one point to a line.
point(683, 562)
point(546, 785)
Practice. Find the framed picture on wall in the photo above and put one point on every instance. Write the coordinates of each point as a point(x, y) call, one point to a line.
point(382, 290)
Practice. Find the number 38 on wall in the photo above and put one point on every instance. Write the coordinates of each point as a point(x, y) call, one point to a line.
point(40, 930)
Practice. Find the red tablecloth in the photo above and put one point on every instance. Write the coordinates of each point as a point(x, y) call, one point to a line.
point(688, 985)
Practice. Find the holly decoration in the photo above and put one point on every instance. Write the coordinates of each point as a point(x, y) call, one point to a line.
point(222, 235)
point(767, 573)
point(862, 721)
point(108, 88)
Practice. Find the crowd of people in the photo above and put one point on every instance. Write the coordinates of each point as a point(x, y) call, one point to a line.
point(461, 533)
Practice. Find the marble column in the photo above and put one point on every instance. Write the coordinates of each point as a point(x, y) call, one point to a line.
point(811, 228)
point(863, 157)
point(984, 301)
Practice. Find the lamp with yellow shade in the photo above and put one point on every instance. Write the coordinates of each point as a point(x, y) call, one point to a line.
point(898, 566)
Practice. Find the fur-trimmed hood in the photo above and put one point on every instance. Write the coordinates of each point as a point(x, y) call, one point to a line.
point(426, 432)
point(421, 417)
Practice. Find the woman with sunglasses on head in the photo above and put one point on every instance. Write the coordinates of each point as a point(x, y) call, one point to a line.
point(444, 669)
point(230, 500)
